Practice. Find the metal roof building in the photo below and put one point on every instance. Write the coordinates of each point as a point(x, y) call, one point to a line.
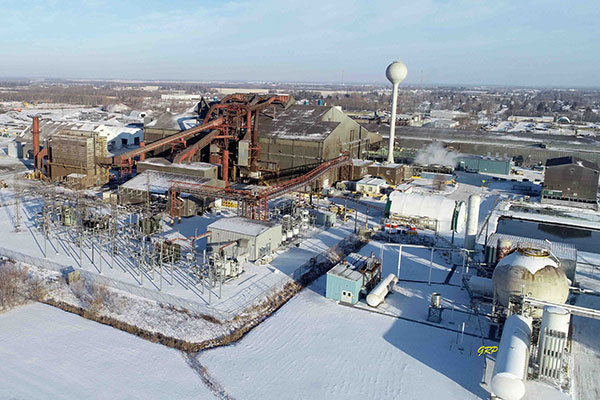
point(303, 135)
point(571, 181)
point(492, 165)
point(354, 275)
point(260, 237)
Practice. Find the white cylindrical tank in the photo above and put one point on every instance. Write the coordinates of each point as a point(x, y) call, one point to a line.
point(436, 300)
point(555, 318)
point(510, 370)
point(15, 149)
point(434, 207)
point(381, 290)
point(481, 285)
point(472, 221)
point(533, 273)
point(503, 248)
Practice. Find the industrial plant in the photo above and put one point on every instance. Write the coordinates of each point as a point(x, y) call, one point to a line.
point(191, 228)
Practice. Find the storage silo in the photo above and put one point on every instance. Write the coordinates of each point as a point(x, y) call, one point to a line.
point(15, 149)
point(531, 272)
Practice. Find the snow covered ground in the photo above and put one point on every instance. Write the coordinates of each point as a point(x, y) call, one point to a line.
point(47, 353)
point(314, 348)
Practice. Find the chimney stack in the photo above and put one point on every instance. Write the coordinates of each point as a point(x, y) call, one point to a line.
point(35, 131)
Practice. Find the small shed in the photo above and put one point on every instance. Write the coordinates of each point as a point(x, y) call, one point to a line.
point(356, 275)
point(358, 169)
point(370, 186)
point(325, 218)
point(259, 237)
point(343, 283)
point(393, 173)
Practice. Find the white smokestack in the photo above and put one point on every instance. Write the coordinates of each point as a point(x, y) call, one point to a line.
point(396, 72)
point(472, 221)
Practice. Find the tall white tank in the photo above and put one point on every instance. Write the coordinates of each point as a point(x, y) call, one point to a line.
point(510, 369)
point(472, 221)
point(533, 273)
point(381, 290)
point(503, 248)
point(15, 149)
point(555, 318)
point(395, 72)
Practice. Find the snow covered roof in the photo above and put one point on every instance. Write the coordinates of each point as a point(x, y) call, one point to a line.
point(435, 207)
point(241, 225)
point(345, 271)
point(160, 182)
point(163, 162)
point(298, 122)
point(361, 163)
point(372, 181)
point(175, 122)
point(112, 132)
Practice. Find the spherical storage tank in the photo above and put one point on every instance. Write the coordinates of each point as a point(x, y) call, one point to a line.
point(435, 207)
point(532, 272)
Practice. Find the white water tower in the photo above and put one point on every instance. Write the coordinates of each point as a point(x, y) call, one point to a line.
point(396, 72)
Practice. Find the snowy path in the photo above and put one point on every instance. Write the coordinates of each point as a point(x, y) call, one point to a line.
point(46, 353)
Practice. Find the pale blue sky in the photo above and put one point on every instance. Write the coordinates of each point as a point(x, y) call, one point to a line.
point(520, 42)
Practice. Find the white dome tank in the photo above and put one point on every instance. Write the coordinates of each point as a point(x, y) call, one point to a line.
point(532, 272)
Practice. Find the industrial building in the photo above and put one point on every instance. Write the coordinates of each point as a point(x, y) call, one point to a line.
point(200, 169)
point(115, 136)
point(259, 238)
point(434, 211)
point(393, 173)
point(77, 156)
point(480, 164)
point(358, 169)
point(370, 186)
point(525, 146)
point(301, 135)
point(352, 277)
point(571, 181)
point(138, 189)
